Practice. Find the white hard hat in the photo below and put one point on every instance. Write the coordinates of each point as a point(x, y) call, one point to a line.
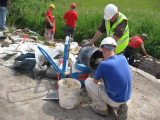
point(109, 11)
point(108, 41)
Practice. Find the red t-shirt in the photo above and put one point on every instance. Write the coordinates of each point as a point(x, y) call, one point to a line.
point(54, 26)
point(49, 14)
point(135, 42)
point(71, 17)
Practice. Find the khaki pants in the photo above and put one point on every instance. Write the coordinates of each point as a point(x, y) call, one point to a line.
point(98, 95)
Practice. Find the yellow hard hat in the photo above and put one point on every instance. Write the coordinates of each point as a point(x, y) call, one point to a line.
point(52, 6)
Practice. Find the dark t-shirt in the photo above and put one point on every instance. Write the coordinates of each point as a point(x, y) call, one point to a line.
point(118, 31)
point(3, 3)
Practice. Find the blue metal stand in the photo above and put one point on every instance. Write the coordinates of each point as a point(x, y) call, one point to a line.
point(51, 61)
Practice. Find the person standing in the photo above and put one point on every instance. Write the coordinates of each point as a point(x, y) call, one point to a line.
point(71, 17)
point(117, 78)
point(53, 29)
point(115, 25)
point(135, 42)
point(3, 13)
point(49, 25)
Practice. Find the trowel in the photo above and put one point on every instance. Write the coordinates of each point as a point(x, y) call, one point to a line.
point(51, 96)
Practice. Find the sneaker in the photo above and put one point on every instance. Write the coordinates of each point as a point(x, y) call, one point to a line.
point(101, 112)
point(4, 29)
point(121, 113)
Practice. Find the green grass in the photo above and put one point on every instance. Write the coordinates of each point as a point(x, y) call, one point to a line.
point(143, 17)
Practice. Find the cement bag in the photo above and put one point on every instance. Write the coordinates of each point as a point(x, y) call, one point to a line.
point(26, 47)
point(60, 46)
point(40, 58)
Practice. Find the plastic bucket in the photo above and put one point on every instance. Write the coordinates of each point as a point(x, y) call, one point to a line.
point(88, 54)
point(69, 89)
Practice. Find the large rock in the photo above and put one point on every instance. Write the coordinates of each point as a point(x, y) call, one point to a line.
point(8, 41)
point(5, 44)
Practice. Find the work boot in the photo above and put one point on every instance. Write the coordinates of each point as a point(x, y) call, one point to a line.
point(121, 112)
point(101, 112)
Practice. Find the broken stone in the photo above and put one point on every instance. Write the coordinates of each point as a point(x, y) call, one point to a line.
point(29, 40)
point(16, 38)
point(8, 34)
point(19, 30)
point(24, 35)
point(5, 44)
point(49, 43)
point(8, 41)
point(34, 37)
point(39, 41)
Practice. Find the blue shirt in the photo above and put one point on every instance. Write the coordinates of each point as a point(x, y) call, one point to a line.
point(117, 78)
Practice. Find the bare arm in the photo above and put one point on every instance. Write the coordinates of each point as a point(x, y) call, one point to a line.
point(95, 38)
point(144, 51)
point(49, 21)
point(9, 7)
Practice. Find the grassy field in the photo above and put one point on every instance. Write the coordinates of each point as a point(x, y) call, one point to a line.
point(143, 17)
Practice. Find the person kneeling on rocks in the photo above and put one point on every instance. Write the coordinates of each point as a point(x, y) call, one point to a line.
point(117, 78)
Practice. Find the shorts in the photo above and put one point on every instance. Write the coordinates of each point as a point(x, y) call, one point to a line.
point(48, 26)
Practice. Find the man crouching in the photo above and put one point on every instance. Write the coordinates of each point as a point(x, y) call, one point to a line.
point(117, 79)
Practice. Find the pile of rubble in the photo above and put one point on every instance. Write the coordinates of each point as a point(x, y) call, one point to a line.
point(18, 49)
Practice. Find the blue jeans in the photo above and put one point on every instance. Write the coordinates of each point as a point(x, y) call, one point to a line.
point(3, 13)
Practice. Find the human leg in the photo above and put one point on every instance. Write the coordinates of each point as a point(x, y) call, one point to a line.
point(0, 17)
point(72, 32)
point(67, 30)
point(3, 13)
point(129, 54)
point(51, 36)
point(126, 52)
point(95, 91)
point(99, 97)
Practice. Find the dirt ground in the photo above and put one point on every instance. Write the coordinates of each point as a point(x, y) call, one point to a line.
point(21, 98)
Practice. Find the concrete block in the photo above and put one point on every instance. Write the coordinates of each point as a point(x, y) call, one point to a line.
point(16, 38)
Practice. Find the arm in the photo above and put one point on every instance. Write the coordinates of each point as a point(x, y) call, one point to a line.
point(95, 81)
point(9, 7)
point(143, 49)
point(49, 21)
point(119, 30)
point(77, 17)
point(95, 38)
point(98, 74)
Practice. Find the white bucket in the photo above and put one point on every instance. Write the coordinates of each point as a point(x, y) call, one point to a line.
point(69, 89)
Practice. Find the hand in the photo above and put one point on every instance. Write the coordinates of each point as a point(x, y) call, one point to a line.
point(149, 57)
point(51, 24)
